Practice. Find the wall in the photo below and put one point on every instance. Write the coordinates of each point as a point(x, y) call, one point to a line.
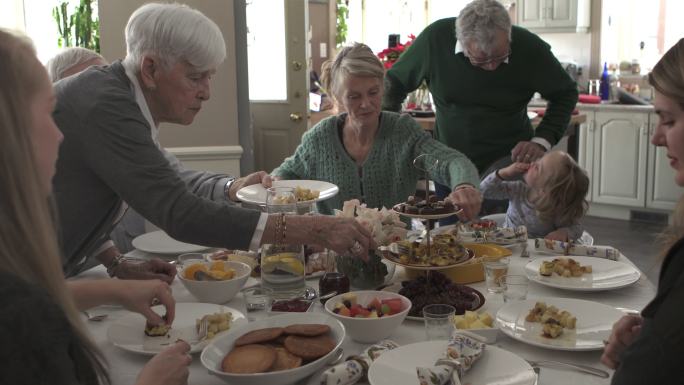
point(214, 133)
point(572, 46)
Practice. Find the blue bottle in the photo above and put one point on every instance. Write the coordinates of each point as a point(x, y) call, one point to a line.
point(605, 83)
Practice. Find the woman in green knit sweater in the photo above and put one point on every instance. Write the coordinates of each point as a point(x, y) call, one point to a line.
point(369, 153)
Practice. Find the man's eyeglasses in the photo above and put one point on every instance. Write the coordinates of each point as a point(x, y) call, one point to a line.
point(495, 60)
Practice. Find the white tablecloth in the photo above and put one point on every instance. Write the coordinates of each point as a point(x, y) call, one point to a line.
point(124, 366)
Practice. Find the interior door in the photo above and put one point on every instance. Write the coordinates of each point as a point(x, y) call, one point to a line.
point(277, 44)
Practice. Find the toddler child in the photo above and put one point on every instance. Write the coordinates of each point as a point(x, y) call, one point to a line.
point(549, 201)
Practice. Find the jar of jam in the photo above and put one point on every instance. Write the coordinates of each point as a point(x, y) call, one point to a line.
point(333, 281)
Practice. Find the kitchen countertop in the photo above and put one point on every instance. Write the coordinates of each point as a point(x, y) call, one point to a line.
point(429, 123)
point(601, 107)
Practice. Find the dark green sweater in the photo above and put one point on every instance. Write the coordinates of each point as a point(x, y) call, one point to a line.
point(484, 113)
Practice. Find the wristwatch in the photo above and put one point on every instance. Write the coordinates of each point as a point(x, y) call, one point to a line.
point(226, 188)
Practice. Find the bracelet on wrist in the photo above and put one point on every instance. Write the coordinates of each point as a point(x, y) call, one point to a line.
point(464, 186)
point(498, 175)
point(116, 261)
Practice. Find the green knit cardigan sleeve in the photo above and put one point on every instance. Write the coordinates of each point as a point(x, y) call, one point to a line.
point(453, 168)
point(300, 164)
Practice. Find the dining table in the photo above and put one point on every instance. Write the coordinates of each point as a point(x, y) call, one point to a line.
point(124, 366)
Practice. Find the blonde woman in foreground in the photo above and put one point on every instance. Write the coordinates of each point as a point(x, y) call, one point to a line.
point(648, 348)
point(43, 337)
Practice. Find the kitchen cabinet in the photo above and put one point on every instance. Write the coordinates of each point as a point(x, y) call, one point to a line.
point(624, 169)
point(662, 191)
point(554, 15)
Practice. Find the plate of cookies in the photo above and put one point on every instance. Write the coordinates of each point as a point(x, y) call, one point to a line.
point(277, 350)
point(132, 333)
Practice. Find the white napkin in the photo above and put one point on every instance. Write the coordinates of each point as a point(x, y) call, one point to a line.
point(356, 367)
point(571, 248)
point(463, 350)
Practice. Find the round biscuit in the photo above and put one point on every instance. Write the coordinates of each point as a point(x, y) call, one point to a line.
point(308, 330)
point(309, 348)
point(285, 360)
point(259, 336)
point(249, 359)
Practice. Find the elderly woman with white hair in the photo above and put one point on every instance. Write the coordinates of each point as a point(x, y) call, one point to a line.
point(110, 117)
point(369, 153)
point(482, 71)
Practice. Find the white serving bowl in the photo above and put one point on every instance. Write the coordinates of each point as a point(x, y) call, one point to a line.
point(368, 330)
point(213, 354)
point(218, 292)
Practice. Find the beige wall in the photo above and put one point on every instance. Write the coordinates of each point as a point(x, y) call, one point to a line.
point(216, 124)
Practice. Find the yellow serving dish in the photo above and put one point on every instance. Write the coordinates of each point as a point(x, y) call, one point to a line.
point(472, 271)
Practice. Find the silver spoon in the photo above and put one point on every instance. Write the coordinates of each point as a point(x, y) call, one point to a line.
point(327, 296)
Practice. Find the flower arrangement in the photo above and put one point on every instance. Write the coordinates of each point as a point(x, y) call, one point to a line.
point(389, 56)
point(385, 227)
point(419, 100)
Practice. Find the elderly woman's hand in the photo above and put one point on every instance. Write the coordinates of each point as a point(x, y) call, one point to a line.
point(268, 180)
point(168, 367)
point(253, 178)
point(468, 198)
point(155, 268)
point(527, 152)
point(624, 333)
point(343, 235)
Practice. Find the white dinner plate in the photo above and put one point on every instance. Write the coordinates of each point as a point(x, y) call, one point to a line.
point(158, 242)
point(128, 332)
point(594, 323)
point(606, 274)
point(256, 193)
point(496, 366)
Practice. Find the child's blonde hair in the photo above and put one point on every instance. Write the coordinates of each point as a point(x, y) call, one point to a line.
point(561, 199)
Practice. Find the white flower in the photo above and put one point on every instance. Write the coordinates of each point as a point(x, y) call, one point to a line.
point(384, 225)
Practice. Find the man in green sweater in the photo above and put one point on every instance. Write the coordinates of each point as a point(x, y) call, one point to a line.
point(482, 72)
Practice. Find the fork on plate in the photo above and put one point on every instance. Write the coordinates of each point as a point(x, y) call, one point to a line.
point(202, 329)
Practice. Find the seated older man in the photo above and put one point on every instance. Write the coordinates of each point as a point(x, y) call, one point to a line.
point(110, 117)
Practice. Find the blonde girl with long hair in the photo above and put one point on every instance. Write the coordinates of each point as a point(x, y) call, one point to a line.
point(43, 337)
point(550, 198)
point(648, 348)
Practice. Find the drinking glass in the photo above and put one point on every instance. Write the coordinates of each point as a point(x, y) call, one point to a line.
point(514, 287)
point(439, 321)
point(495, 268)
point(282, 265)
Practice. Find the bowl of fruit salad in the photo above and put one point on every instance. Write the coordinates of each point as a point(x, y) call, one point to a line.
point(369, 316)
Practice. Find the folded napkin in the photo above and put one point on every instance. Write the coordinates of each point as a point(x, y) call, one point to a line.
point(571, 248)
point(356, 367)
point(502, 235)
point(463, 350)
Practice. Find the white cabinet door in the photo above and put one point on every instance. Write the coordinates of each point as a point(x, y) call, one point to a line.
point(662, 192)
point(619, 164)
point(561, 13)
point(585, 150)
point(531, 13)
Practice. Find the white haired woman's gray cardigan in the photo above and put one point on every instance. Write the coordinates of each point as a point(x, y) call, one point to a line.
point(107, 156)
